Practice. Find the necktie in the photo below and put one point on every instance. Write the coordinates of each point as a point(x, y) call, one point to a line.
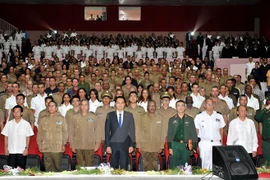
point(120, 120)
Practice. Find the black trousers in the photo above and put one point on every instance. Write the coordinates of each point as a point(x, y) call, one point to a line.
point(15, 160)
point(119, 158)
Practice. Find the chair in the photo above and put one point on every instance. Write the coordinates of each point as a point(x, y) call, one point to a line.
point(140, 164)
point(32, 160)
point(65, 164)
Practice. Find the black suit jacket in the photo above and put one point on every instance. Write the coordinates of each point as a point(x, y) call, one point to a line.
point(116, 137)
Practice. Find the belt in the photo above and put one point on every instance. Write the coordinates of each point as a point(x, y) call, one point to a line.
point(180, 141)
point(267, 140)
point(210, 140)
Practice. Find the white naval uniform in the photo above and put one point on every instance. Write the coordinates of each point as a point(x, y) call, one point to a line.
point(150, 52)
point(180, 52)
point(216, 52)
point(37, 52)
point(160, 52)
point(209, 132)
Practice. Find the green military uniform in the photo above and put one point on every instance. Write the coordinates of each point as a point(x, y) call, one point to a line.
point(52, 136)
point(192, 112)
point(101, 113)
point(86, 86)
point(179, 132)
point(149, 141)
point(250, 114)
point(263, 116)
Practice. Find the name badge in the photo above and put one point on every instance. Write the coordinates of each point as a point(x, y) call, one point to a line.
point(217, 120)
point(59, 122)
point(90, 120)
point(249, 114)
point(175, 122)
point(186, 122)
point(158, 122)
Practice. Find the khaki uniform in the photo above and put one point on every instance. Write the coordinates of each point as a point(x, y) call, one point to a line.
point(165, 114)
point(127, 90)
point(208, 86)
point(101, 113)
point(192, 112)
point(28, 115)
point(85, 133)
point(119, 79)
point(2, 117)
point(52, 136)
point(149, 141)
point(145, 84)
point(57, 97)
point(29, 99)
point(154, 77)
point(12, 78)
point(180, 130)
point(156, 98)
point(137, 115)
point(223, 79)
point(250, 114)
point(221, 106)
point(3, 99)
point(70, 116)
point(240, 87)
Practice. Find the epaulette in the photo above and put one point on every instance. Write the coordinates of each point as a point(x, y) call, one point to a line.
point(199, 112)
point(175, 116)
point(219, 113)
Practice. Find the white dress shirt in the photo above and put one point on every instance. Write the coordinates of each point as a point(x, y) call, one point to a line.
point(63, 109)
point(94, 105)
point(17, 134)
point(122, 116)
point(197, 100)
point(228, 100)
point(143, 104)
point(38, 104)
point(11, 102)
point(252, 102)
point(243, 133)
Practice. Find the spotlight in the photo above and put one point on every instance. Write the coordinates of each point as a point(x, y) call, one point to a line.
point(192, 33)
point(55, 32)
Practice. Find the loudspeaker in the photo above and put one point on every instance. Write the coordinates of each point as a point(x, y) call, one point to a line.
point(233, 162)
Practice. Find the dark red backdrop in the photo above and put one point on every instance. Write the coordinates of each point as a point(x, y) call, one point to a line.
point(154, 18)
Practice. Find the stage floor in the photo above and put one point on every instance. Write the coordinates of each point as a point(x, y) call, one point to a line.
point(114, 177)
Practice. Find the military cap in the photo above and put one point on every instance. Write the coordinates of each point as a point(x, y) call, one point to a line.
point(165, 95)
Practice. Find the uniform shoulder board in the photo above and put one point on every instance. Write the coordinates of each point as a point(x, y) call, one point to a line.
point(199, 112)
point(175, 116)
point(219, 113)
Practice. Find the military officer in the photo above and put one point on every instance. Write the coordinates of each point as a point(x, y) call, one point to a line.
point(190, 109)
point(156, 94)
point(85, 133)
point(58, 96)
point(52, 138)
point(136, 110)
point(165, 112)
point(101, 113)
point(209, 126)
point(149, 142)
point(263, 116)
point(181, 128)
point(27, 112)
point(45, 111)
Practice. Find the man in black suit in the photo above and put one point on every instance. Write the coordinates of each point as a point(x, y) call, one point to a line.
point(189, 38)
point(119, 134)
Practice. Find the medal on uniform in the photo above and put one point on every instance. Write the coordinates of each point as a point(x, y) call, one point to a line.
point(175, 122)
point(90, 120)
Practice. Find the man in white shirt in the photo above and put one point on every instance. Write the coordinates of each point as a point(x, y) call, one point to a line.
point(223, 94)
point(170, 51)
point(197, 98)
point(150, 52)
point(216, 51)
point(110, 52)
point(249, 66)
point(242, 132)
point(37, 51)
point(99, 51)
point(38, 102)
point(180, 51)
point(209, 126)
point(48, 51)
point(160, 52)
point(17, 134)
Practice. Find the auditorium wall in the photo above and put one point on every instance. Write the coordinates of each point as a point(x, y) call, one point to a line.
point(153, 18)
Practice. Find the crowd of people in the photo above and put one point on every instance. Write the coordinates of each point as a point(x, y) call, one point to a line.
point(77, 90)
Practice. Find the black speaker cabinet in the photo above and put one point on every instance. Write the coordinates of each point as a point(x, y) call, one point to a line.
point(233, 162)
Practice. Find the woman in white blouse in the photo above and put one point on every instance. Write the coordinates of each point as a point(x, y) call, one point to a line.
point(65, 105)
point(144, 99)
point(94, 101)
